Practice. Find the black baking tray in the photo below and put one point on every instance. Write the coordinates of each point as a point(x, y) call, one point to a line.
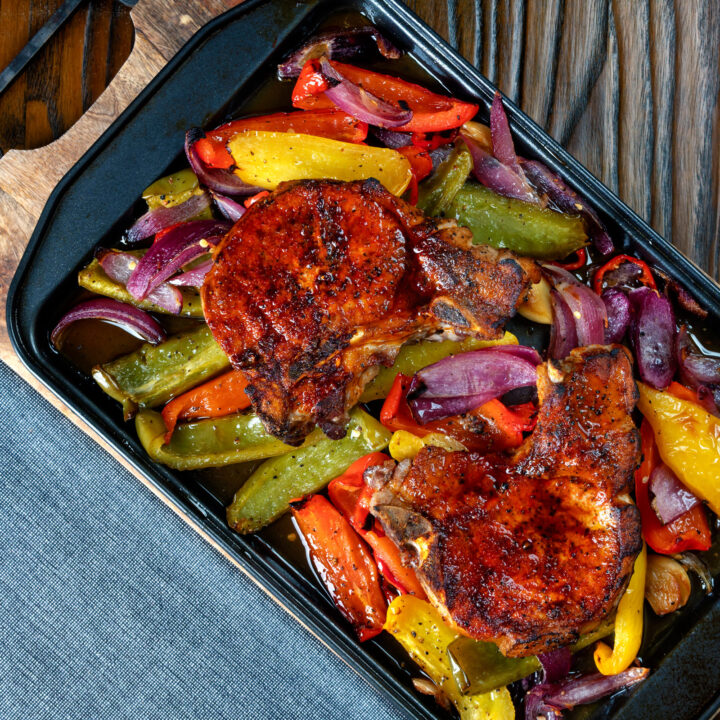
point(226, 61)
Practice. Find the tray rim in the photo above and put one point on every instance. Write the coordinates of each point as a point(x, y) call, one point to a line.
point(325, 631)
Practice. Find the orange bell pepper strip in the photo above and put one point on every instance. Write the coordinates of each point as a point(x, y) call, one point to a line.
point(646, 276)
point(690, 531)
point(503, 427)
point(431, 112)
point(330, 123)
point(223, 395)
point(351, 496)
point(344, 564)
point(252, 200)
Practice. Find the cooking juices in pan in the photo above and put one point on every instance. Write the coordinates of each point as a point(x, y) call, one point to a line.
point(88, 343)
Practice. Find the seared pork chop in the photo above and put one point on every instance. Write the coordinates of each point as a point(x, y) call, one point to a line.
point(322, 282)
point(530, 550)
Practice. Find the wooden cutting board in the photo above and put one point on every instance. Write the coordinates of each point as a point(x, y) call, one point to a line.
point(629, 86)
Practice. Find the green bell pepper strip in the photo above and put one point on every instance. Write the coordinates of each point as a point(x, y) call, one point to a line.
point(94, 278)
point(268, 491)
point(412, 358)
point(515, 225)
point(154, 374)
point(214, 442)
point(172, 189)
point(437, 192)
point(479, 667)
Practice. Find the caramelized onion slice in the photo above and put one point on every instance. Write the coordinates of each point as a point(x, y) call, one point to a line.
point(460, 383)
point(338, 45)
point(169, 253)
point(361, 104)
point(128, 317)
point(153, 221)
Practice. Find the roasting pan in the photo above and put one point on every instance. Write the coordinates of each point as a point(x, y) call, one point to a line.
point(225, 69)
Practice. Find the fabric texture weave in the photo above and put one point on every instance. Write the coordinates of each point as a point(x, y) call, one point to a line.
point(112, 607)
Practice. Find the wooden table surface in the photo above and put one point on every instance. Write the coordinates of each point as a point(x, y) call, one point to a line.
point(630, 87)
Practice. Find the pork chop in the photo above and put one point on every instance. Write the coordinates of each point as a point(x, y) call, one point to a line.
point(532, 549)
point(322, 282)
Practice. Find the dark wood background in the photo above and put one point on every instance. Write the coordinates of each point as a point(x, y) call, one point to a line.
point(630, 87)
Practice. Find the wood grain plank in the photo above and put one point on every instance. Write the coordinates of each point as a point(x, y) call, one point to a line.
point(510, 38)
point(541, 57)
point(696, 117)
point(583, 49)
point(662, 41)
point(594, 134)
point(15, 24)
point(636, 131)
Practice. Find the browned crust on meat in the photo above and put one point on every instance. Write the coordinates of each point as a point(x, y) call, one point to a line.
point(529, 551)
point(322, 282)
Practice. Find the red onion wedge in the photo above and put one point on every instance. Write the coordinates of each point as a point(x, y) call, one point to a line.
point(587, 309)
point(338, 45)
point(672, 498)
point(119, 266)
point(502, 143)
point(153, 221)
point(652, 334)
point(549, 700)
point(700, 372)
point(392, 139)
point(563, 335)
point(618, 314)
point(359, 103)
point(169, 253)
point(567, 200)
point(232, 210)
point(194, 277)
point(217, 179)
point(498, 177)
point(556, 664)
point(128, 317)
point(460, 383)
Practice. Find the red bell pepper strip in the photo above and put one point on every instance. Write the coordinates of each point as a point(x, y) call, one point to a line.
point(218, 397)
point(344, 564)
point(502, 427)
point(351, 496)
point(252, 200)
point(646, 277)
point(421, 166)
point(432, 141)
point(579, 261)
point(690, 531)
point(330, 123)
point(431, 112)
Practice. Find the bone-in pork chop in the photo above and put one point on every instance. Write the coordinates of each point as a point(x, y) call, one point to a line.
point(320, 283)
point(528, 551)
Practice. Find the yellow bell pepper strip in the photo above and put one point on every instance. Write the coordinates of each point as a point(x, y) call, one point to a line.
point(418, 627)
point(266, 159)
point(516, 225)
point(344, 564)
point(154, 374)
point(268, 491)
point(412, 358)
point(538, 305)
point(479, 666)
point(405, 446)
point(214, 442)
point(94, 278)
point(688, 440)
point(628, 624)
